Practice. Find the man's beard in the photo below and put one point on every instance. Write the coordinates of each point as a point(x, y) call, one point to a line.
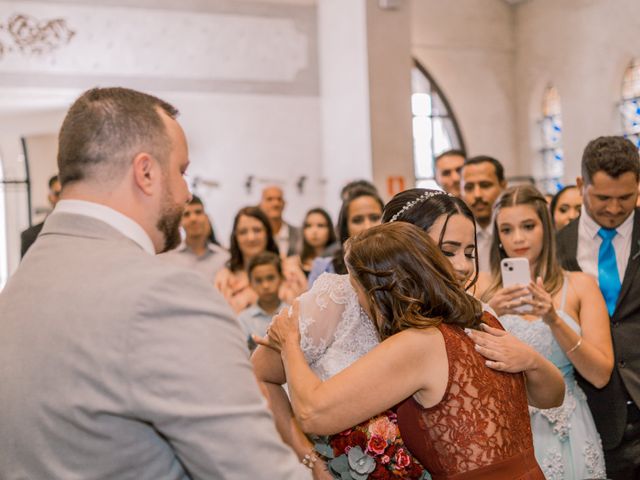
point(169, 223)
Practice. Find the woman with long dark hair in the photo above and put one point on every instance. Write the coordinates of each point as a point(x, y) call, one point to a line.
point(565, 206)
point(317, 235)
point(250, 236)
point(362, 209)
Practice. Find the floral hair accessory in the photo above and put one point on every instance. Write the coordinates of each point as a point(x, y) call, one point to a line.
point(412, 203)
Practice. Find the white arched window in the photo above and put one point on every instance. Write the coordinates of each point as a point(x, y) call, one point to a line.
point(630, 104)
point(551, 130)
point(435, 129)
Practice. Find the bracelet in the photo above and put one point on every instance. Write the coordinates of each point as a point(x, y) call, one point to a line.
point(575, 347)
point(309, 460)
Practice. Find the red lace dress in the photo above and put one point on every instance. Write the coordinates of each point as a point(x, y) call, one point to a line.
point(480, 430)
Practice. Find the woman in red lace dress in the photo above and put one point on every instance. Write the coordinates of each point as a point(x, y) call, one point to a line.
point(459, 418)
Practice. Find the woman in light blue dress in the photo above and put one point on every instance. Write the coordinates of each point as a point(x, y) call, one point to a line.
point(565, 320)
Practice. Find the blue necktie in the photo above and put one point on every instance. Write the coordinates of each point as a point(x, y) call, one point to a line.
point(608, 277)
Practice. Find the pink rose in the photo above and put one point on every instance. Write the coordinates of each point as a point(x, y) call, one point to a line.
point(385, 459)
point(377, 444)
point(384, 428)
point(402, 458)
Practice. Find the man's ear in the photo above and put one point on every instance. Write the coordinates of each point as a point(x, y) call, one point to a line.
point(579, 183)
point(145, 172)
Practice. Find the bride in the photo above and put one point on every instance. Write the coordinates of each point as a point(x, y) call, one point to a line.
point(335, 331)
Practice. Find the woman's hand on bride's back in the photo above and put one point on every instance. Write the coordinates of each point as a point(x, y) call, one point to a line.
point(503, 351)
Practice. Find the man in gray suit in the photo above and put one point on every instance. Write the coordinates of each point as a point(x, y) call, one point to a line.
point(113, 363)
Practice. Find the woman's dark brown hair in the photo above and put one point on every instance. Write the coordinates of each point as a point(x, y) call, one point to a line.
point(237, 260)
point(308, 252)
point(408, 281)
point(342, 227)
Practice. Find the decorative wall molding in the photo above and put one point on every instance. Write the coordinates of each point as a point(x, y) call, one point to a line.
point(28, 35)
point(161, 48)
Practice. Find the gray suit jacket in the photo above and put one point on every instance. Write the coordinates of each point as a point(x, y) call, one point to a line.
point(117, 365)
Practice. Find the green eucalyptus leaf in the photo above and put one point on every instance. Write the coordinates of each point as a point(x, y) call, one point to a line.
point(324, 450)
point(339, 464)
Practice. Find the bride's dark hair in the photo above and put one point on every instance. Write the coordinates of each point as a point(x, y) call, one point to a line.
point(408, 281)
point(429, 207)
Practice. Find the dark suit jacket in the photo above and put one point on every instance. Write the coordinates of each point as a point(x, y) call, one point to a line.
point(28, 237)
point(295, 240)
point(608, 404)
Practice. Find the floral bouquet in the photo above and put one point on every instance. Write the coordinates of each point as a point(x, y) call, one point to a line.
point(372, 450)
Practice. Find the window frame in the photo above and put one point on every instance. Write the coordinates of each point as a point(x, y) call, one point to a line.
point(434, 88)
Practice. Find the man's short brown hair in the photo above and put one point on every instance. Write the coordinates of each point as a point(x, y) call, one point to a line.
point(106, 127)
point(613, 155)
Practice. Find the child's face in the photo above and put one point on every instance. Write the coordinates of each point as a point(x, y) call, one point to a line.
point(266, 280)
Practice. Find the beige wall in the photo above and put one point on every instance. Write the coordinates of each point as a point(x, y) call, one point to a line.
point(468, 48)
point(583, 47)
point(390, 65)
point(244, 76)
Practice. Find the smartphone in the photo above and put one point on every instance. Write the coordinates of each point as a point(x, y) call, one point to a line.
point(515, 271)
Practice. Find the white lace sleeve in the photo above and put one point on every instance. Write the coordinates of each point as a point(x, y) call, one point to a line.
point(334, 330)
point(321, 310)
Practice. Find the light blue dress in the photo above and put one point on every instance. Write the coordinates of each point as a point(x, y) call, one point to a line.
point(566, 442)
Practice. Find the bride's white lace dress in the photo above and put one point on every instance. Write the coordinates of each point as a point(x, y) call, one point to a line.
point(334, 329)
point(334, 332)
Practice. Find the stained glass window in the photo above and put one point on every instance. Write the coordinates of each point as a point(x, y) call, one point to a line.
point(630, 104)
point(551, 129)
point(435, 129)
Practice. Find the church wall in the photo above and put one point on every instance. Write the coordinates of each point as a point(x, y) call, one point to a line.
point(583, 48)
point(243, 74)
point(468, 48)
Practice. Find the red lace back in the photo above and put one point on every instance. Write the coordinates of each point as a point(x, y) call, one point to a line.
point(482, 420)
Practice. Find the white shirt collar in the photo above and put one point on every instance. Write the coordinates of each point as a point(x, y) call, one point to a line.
point(484, 232)
point(283, 233)
point(125, 225)
point(211, 247)
point(591, 227)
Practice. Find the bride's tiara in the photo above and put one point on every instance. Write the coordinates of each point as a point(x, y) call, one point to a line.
point(412, 203)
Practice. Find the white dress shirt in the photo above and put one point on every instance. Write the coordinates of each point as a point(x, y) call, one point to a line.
point(125, 225)
point(282, 239)
point(589, 244)
point(484, 237)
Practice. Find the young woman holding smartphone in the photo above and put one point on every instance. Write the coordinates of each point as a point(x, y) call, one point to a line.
point(567, 323)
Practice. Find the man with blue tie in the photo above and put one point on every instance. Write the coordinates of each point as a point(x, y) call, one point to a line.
point(605, 242)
